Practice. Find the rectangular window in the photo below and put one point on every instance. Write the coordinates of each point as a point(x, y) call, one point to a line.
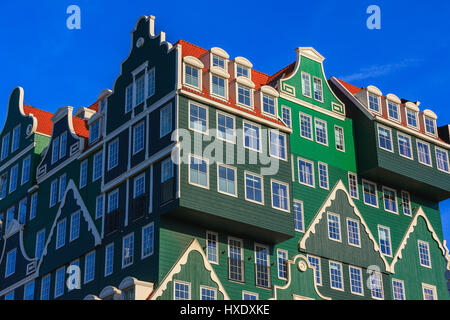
point(26, 165)
point(63, 145)
point(97, 170)
point(244, 96)
point(212, 247)
point(9, 216)
point(235, 260)
point(385, 139)
point(55, 150)
point(23, 204)
point(424, 154)
point(166, 170)
point(353, 185)
point(384, 235)
point(315, 263)
point(13, 179)
point(218, 62)
point(128, 250)
point(277, 145)
point(280, 196)
point(262, 269)
point(225, 127)
point(15, 139)
point(406, 203)
point(226, 181)
point(252, 136)
point(83, 173)
point(353, 233)
point(404, 146)
point(62, 186)
point(138, 137)
point(376, 285)
point(129, 98)
point(306, 172)
point(53, 193)
point(334, 227)
point(9, 296)
point(3, 186)
point(370, 193)
point(336, 276)
point(74, 226)
point(398, 288)
point(321, 132)
point(242, 71)
point(33, 206)
point(59, 282)
point(165, 120)
point(140, 91)
point(109, 259)
point(207, 293)
point(306, 84)
point(390, 200)
point(323, 175)
point(198, 172)
point(392, 110)
point(191, 76)
point(374, 103)
point(286, 116)
point(318, 91)
point(151, 82)
point(249, 296)
point(61, 234)
point(147, 240)
point(424, 254)
point(269, 105)
point(10, 263)
point(5, 146)
point(282, 258)
point(218, 86)
point(356, 280)
point(198, 118)
point(113, 154)
point(181, 290)
point(113, 201)
point(45, 287)
point(429, 292)
point(430, 126)
point(306, 126)
point(298, 216)
point(40, 242)
point(99, 206)
point(89, 267)
point(94, 132)
point(442, 160)
point(411, 118)
point(139, 186)
point(339, 138)
point(254, 188)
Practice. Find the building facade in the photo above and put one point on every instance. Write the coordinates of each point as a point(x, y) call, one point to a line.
point(199, 177)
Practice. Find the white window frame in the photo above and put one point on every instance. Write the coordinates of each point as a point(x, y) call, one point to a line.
point(376, 193)
point(429, 153)
point(356, 185)
point(207, 171)
point(96, 206)
point(316, 120)
point(199, 76)
point(188, 284)
point(262, 187)
point(235, 180)
point(302, 215)
point(378, 274)
point(379, 227)
point(150, 225)
point(348, 233)
point(86, 267)
point(312, 173)
point(396, 202)
point(313, 91)
point(339, 226)
point(11, 180)
point(135, 180)
point(92, 138)
point(55, 150)
point(304, 93)
point(167, 110)
point(36, 253)
point(283, 108)
point(200, 106)
point(71, 226)
point(390, 138)
point(410, 145)
point(428, 253)
point(350, 267)
point(272, 181)
point(225, 91)
point(416, 127)
point(429, 287)
point(319, 261)
point(287, 264)
point(250, 93)
point(436, 148)
point(115, 141)
point(123, 251)
point(327, 175)
point(27, 173)
point(63, 230)
point(259, 138)
point(278, 134)
point(217, 246)
point(139, 126)
point(342, 275)
point(63, 150)
point(106, 273)
point(425, 118)
point(62, 187)
point(8, 262)
point(53, 188)
point(63, 282)
point(5, 150)
point(84, 176)
point(234, 127)
point(336, 129)
point(275, 105)
point(311, 131)
point(33, 206)
point(378, 102)
point(409, 203)
point(403, 288)
point(250, 294)
point(110, 195)
point(208, 288)
point(94, 166)
point(388, 102)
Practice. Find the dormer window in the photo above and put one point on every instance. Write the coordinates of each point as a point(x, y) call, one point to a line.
point(393, 110)
point(430, 125)
point(411, 118)
point(218, 62)
point(244, 96)
point(374, 103)
point(268, 104)
point(94, 132)
point(218, 86)
point(242, 71)
point(191, 76)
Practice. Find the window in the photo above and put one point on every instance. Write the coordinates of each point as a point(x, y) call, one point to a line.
point(226, 182)
point(5, 146)
point(269, 105)
point(280, 196)
point(392, 110)
point(62, 187)
point(15, 139)
point(13, 179)
point(315, 263)
point(166, 170)
point(3, 185)
point(249, 296)
point(151, 82)
point(59, 282)
point(254, 188)
point(61, 234)
point(138, 137)
point(109, 259)
point(390, 200)
point(411, 118)
point(199, 172)
point(218, 62)
point(128, 250)
point(225, 127)
point(55, 150)
point(353, 185)
point(252, 139)
point(23, 211)
point(128, 98)
point(191, 76)
point(286, 116)
point(9, 217)
point(181, 290)
point(94, 132)
point(406, 203)
point(262, 269)
point(353, 233)
point(242, 71)
point(321, 132)
point(282, 258)
point(218, 86)
point(404, 146)
point(323, 175)
point(9, 296)
point(336, 276)
point(442, 160)
point(53, 193)
point(147, 240)
point(97, 170)
point(430, 126)
point(244, 96)
point(198, 118)
point(83, 173)
point(140, 91)
point(99, 206)
point(207, 293)
point(45, 287)
point(334, 227)
point(128, 293)
point(10, 263)
point(165, 120)
point(74, 226)
point(298, 216)
point(306, 172)
point(89, 267)
point(374, 103)
point(339, 138)
point(26, 170)
point(385, 138)
point(356, 279)
point(113, 201)
point(306, 84)
point(139, 186)
point(424, 154)
point(63, 145)
point(40, 242)
point(277, 145)
point(376, 285)
point(429, 292)
point(384, 235)
point(212, 247)
point(33, 206)
point(424, 254)
point(318, 91)
point(113, 153)
point(370, 193)
point(235, 263)
point(306, 126)
point(398, 288)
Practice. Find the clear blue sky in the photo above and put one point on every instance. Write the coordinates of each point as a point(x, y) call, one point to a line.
point(59, 67)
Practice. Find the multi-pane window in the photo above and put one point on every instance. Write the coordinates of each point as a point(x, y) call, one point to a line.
point(424, 254)
point(15, 139)
point(218, 86)
point(33, 206)
point(306, 126)
point(207, 293)
point(249, 296)
point(406, 203)
point(166, 170)
point(323, 175)
point(286, 116)
point(3, 185)
point(89, 267)
point(252, 136)
point(218, 62)
point(277, 145)
point(334, 227)
point(339, 138)
point(306, 84)
point(282, 258)
point(398, 289)
point(424, 154)
point(83, 173)
point(356, 280)
point(165, 120)
point(411, 118)
point(315, 263)
point(318, 90)
point(392, 110)
point(226, 180)
point(10, 263)
point(353, 185)
point(442, 160)
point(374, 103)
point(128, 250)
point(26, 170)
point(370, 193)
point(5, 146)
point(390, 200)
point(225, 127)
point(404, 146)
point(147, 240)
point(269, 104)
point(97, 170)
point(253, 188)
point(45, 287)
point(9, 217)
point(53, 193)
point(113, 200)
point(94, 132)
point(198, 117)
point(430, 125)
point(321, 132)
point(236, 262)
point(151, 82)
point(55, 150)
point(138, 137)
point(9, 296)
point(298, 216)
point(181, 290)
point(376, 285)
point(128, 98)
point(109, 259)
point(61, 233)
point(429, 292)
point(384, 235)
point(140, 90)
point(191, 76)
point(75, 226)
point(198, 172)
point(241, 71)
point(139, 186)
point(40, 242)
point(262, 269)
point(212, 247)
point(13, 178)
point(113, 154)
point(23, 211)
point(306, 172)
point(353, 233)
point(336, 281)
point(385, 138)
point(280, 196)
point(99, 206)
point(59, 282)
point(62, 186)
point(63, 145)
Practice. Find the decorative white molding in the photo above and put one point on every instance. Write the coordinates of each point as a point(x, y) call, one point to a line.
point(412, 106)
point(244, 62)
point(245, 82)
point(393, 98)
point(430, 114)
point(270, 91)
point(220, 72)
point(193, 61)
point(311, 53)
point(374, 90)
point(219, 52)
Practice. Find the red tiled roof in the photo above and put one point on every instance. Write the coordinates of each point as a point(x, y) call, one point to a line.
point(44, 119)
point(80, 126)
point(283, 72)
point(353, 89)
point(94, 106)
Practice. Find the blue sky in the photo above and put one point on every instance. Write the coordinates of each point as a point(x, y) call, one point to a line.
point(59, 67)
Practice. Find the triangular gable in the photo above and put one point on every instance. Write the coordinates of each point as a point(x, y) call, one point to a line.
point(442, 246)
point(332, 196)
point(193, 246)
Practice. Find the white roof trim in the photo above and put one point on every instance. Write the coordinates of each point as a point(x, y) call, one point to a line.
point(311, 53)
point(220, 52)
point(243, 61)
point(131, 281)
point(269, 90)
point(193, 61)
point(412, 106)
point(430, 114)
point(104, 93)
point(109, 290)
point(374, 90)
point(245, 82)
point(393, 98)
point(220, 72)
